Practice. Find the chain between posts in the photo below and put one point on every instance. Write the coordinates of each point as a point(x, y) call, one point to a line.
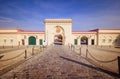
point(87, 52)
point(115, 59)
point(12, 57)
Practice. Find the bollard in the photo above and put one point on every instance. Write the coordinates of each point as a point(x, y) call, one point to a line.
point(43, 48)
point(3, 46)
point(14, 76)
point(27, 75)
point(33, 51)
point(25, 54)
point(40, 48)
point(71, 47)
point(74, 48)
point(80, 51)
point(86, 52)
point(119, 65)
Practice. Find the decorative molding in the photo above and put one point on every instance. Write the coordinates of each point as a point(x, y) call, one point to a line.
point(58, 21)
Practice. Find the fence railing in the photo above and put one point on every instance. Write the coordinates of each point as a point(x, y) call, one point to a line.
point(24, 55)
point(89, 55)
point(3, 60)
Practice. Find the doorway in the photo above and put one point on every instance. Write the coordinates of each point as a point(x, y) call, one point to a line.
point(41, 42)
point(92, 42)
point(84, 40)
point(32, 40)
point(58, 39)
point(23, 42)
point(59, 35)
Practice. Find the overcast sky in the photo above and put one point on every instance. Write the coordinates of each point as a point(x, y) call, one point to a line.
point(86, 14)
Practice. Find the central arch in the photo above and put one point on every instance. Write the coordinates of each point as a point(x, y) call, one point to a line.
point(84, 40)
point(59, 35)
point(58, 39)
point(32, 40)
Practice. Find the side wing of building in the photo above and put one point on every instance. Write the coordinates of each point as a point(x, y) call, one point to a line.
point(18, 37)
point(100, 37)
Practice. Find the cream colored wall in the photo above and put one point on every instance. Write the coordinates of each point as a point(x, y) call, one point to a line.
point(4, 30)
point(89, 36)
point(26, 38)
point(113, 37)
point(8, 38)
point(110, 31)
point(50, 31)
point(107, 35)
point(18, 38)
point(66, 24)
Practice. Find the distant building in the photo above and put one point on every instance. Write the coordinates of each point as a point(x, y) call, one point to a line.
point(59, 31)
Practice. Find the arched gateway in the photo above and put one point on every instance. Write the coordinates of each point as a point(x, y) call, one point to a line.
point(84, 40)
point(58, 31)
point(59, 35)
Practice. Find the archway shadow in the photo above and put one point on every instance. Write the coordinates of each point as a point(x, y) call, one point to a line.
point(92, 67)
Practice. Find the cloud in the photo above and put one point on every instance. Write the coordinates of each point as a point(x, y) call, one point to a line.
point(108, 17)
point(31, 15)
point(6, 19)
point(91, 21)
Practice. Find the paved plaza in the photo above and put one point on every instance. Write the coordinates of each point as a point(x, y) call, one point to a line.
point(61, 62)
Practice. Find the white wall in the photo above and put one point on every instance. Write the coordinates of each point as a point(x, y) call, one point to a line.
point(50, 31)
point(18, 38)
point(89, 36)
point(107, 37)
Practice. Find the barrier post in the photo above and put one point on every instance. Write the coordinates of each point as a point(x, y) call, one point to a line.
point(80, 51)
point(3, 46)
point(14, 76)
point(43, 48)
point(27, 75)
point(25, 54)
point(74, 48)
point(86, 52)
point(119, 65)
point(71, 47)
point(33, 51)
point(40, 48)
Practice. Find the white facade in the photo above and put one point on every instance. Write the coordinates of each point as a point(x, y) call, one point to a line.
point(59, 31)
point(50, 29)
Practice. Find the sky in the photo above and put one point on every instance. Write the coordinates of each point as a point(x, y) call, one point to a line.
point(85, 14)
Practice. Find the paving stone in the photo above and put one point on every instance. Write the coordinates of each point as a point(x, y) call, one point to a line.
point(56, 62)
